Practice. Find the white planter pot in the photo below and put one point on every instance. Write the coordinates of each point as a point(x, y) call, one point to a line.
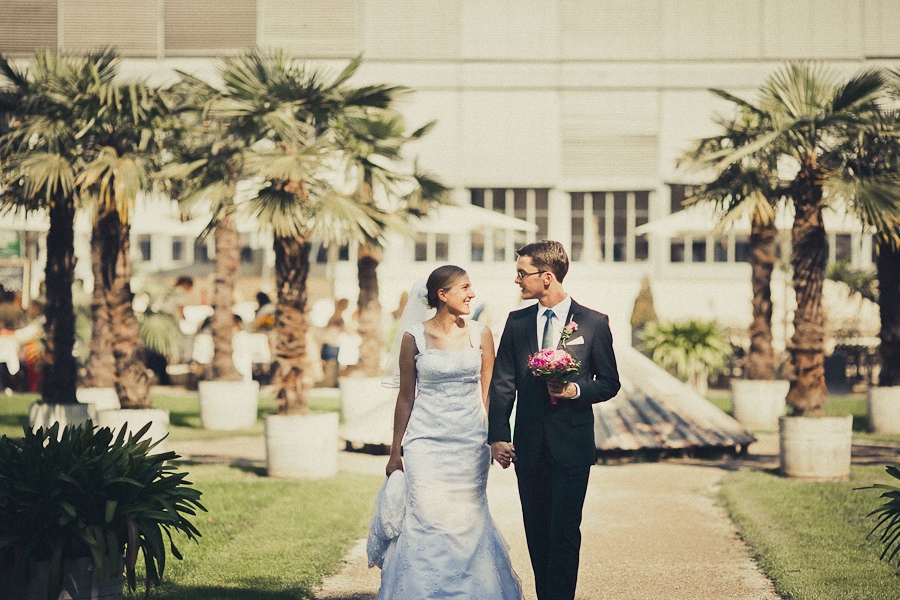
point(361, 395)
point(80, 581)
point(759, 404)
point(97, 399)
point(228, 405)
point(816, 448)
point(45, 415)
point(302, 446)
point(135, 419)
point(883, 405)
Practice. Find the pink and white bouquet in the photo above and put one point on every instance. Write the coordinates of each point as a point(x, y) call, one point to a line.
point(556, 364)
point(553, 364)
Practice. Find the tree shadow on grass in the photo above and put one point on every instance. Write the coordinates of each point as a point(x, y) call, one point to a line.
point(254, 467)
point(18, 421)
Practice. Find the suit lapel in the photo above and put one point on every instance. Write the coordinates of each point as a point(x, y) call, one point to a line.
point(531, 330)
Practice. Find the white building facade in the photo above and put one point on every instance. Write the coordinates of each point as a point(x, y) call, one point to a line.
point(570, 114)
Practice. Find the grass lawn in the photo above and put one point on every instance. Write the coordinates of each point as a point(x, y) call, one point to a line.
point(810, 538)
point(266, 539)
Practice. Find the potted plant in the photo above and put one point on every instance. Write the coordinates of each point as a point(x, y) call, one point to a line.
point(694, 350)
point(79, 505)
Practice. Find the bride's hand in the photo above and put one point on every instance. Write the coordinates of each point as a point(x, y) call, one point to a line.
point(395, 463)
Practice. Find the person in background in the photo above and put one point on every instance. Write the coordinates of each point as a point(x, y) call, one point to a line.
point(12, 316)
point(331, 339)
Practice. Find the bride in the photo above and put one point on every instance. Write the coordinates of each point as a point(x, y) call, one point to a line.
point(448, 545)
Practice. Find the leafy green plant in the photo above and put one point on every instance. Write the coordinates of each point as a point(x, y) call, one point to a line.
point(888, 516)
point(693, 349)
point(84, 493)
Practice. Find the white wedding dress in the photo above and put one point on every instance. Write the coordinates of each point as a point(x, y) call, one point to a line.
point(448, 545)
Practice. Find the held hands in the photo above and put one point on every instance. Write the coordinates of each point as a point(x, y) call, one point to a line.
point(562, 390)
point(504, 453)
point(395, 463)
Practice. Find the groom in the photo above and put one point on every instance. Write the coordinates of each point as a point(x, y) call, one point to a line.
point(554, 443)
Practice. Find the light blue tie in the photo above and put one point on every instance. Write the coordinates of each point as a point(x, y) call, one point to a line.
point(547, 340)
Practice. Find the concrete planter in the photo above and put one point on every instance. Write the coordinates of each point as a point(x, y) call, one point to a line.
point(759, 404)
point(883, 404)
point(362, 395)
point(97, 399)
point(816, 448)
point(228, 405)
point(302, 446)
point(45, 415)
point(81, 581)
point(135, 419)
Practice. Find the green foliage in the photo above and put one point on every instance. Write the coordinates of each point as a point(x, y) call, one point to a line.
point(860, 281)
point(888, 516)
point(83, 493)
point(692, 349)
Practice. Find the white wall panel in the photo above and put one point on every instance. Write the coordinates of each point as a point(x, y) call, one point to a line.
point(687, 116)
point(509, 139)
point(26, 25)
point(406, 29)
point(131, 27)
point(610, 134)
point(812, 29)
point(509, 29)
point(437, 152)
point(712, 29)
point(311, 27)
point(882, 28)
point(610, 29)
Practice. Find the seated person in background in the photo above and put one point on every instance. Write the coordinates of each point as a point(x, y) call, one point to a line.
point(12, 316)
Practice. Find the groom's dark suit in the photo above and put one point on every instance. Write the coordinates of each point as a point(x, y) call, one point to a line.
point(554, 443)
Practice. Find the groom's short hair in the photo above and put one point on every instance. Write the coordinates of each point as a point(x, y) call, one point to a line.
point(547, 255)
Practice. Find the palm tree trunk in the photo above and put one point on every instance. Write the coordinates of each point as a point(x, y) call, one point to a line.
point(228, 254)
point(60, 370)
point(132, 382)
point(369, 309)
point(761, 357)
point(808, 393)
point(291, 327)
point(888, 265)
point(101, 363)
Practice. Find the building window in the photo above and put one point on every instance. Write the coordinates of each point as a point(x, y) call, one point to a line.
point(741, 248)
point(678, 193)
point(144, 247)
point(698, 250)
point(720, 250)
point(843, 248)
point(603, 225)
point(676, 250)
point(432, 247)
point(178, 250)
point(344, 253)
point(202, 253)
point(528, 204)
point(421, 247)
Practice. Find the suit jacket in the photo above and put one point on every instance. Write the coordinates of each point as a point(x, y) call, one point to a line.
point(568, 426)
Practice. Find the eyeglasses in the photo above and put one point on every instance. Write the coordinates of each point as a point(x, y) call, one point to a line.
point(521, 275)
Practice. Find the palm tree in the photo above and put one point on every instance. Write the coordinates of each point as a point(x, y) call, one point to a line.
point(208, 163)
point(53, 107)
point(870, 186)
point(749, 186)
point(289, 113)
point(125, 139)
point(372, 142)
point(809, 115)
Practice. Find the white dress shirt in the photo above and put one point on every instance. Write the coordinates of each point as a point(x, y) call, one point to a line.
point(560, 314)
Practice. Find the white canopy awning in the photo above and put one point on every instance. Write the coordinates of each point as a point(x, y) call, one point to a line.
point(468, 217)
point(703, 218)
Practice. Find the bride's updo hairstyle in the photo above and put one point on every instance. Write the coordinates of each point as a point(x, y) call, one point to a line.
point(442, 278)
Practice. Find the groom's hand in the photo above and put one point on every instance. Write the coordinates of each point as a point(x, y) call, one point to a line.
point(504, 453)
point(558, 389)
